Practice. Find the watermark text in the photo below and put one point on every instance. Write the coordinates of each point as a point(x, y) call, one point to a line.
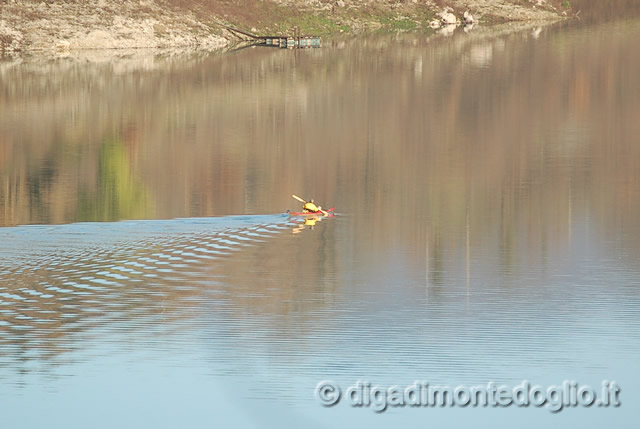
point(422, 394)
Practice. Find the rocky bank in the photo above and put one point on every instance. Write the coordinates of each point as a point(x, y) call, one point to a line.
point(54, 26)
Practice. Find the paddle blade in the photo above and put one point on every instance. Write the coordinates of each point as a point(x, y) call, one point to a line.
point(298, 198)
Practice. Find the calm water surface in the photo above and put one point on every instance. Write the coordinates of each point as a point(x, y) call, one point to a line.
point(488, 198)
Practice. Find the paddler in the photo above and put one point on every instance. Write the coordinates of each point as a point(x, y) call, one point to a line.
point(310, 207)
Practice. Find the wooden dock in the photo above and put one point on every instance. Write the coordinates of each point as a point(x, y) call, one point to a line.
point(292, 42)
point(285, 42)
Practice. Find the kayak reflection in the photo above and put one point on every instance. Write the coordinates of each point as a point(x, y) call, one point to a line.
point(308, 221)
point(303, 220)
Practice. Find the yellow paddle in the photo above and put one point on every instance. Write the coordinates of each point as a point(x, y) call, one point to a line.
point(303, 201)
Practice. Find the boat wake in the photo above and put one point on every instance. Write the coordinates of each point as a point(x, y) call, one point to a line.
point(59, 283)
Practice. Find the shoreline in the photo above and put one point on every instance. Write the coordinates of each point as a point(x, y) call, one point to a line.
point(59, 27)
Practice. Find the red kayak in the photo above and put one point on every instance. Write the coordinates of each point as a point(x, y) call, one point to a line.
point(318, 213)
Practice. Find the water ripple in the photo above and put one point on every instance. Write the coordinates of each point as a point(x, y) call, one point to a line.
point(105, 273)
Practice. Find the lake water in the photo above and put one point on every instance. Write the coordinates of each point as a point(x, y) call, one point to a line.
point(487, 191)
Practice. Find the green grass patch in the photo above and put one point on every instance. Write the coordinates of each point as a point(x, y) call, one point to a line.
point(393, 23)
point(273, 19)
point(403, 24)
point(316, 25)
point(309, 24)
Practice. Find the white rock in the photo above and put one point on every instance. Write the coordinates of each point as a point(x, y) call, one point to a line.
point(434, 24)
point(468, 18)
point(448, 18)
point(63, 45)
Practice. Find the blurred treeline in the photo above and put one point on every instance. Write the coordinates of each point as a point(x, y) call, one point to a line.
point(513, 138)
